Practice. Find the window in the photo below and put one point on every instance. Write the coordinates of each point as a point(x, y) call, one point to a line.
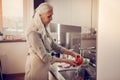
point(12, 13)
point(16, 15)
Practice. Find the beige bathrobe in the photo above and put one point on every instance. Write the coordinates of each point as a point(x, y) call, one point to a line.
point(40, 46)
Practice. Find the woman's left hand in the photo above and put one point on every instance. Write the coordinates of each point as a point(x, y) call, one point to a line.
point(76, 55)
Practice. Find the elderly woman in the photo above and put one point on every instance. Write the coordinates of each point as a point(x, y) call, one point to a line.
point(41, 45)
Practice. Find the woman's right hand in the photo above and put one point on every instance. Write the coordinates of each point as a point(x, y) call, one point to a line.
point(71, 62)
point(68, 61)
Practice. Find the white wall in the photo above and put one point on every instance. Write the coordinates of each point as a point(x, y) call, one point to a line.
point(0, 15)
point(75, 12)
point(108, 57)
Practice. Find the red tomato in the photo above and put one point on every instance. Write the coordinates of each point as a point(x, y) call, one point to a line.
point(79, 61)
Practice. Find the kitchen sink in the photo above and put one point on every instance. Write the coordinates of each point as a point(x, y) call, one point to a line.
point(85, 72)
point(68, 73)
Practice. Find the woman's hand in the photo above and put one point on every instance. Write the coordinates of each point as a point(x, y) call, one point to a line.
point(68, 61)
point(76, 55)
point(71, 62)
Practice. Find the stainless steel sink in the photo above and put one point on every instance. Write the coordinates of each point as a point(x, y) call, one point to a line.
point(63, 73)
point(86, 72)
point(68, 74)
point(72, 73)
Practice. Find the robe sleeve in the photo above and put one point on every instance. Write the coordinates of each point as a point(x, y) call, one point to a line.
point(57, 48)
point(38, 47)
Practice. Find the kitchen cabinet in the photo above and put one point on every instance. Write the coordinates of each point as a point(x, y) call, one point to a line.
point(13, 57)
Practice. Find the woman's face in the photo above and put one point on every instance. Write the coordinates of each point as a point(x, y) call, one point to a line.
point(46, 17)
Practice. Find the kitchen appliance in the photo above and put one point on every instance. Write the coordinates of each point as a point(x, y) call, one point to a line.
point(62, 30)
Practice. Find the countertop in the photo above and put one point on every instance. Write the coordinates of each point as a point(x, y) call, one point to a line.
point(9, 41)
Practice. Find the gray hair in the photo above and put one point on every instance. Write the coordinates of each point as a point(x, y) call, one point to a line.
point(36, 24)
point(43, 8)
